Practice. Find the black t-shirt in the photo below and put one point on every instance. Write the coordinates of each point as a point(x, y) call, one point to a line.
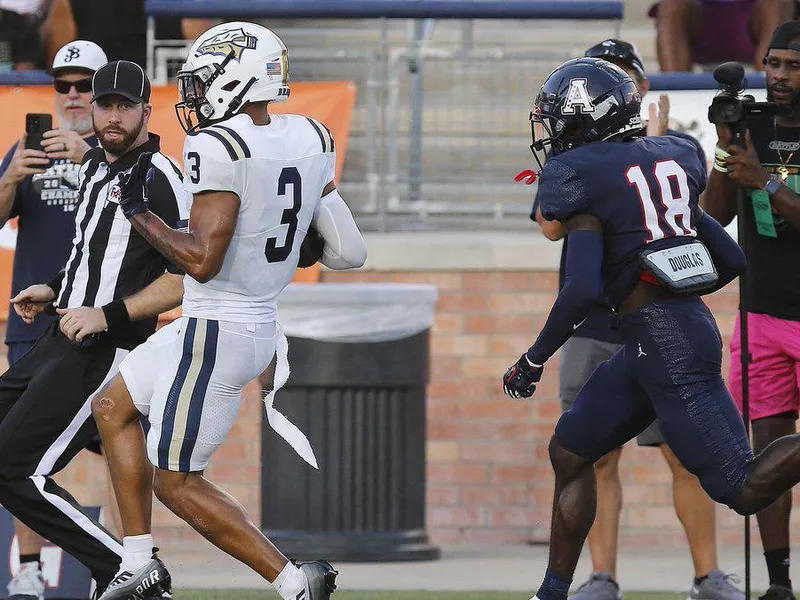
point(45, 205)
point(772, 280)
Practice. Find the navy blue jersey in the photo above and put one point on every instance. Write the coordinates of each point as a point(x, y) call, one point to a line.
point(600, 324)
point(642, 191)
point(45, 205)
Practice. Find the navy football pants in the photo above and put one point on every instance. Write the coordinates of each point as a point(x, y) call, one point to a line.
point(668, 369)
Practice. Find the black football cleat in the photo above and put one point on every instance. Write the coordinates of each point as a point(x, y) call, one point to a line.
point(150, 581)
point(320, 579)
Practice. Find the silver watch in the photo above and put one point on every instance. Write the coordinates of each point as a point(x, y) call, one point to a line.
point(772, 186)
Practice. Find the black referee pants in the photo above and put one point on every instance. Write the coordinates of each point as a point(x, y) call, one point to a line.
point(45, 420)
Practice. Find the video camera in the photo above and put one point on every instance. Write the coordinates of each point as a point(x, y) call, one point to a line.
point(731, 109)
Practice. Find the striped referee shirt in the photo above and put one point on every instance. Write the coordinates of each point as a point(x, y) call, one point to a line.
point(109, 258)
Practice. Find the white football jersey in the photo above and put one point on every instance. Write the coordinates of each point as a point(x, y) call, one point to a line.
point(278, 171)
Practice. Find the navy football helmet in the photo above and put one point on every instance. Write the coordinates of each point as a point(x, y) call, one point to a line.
point(584, 100)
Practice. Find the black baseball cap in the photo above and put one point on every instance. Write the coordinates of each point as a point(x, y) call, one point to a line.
point(123, 78)
point(783, 36)
point(617, 51)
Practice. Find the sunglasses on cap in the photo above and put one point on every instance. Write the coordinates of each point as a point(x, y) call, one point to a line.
point(82, 86)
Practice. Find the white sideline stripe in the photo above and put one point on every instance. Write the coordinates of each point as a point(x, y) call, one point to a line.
point(54, 452)
point(77, 517)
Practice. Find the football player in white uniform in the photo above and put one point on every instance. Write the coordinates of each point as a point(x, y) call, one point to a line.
point(261, 183)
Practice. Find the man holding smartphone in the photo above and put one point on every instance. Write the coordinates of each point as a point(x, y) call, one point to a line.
point(39, 185)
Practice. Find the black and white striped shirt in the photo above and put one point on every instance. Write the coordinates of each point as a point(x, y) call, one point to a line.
point(109, 258)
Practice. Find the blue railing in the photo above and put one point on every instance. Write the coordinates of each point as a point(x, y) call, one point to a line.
point(697, 81)
point(389, 9)
point(658, 82)
point(25, 78)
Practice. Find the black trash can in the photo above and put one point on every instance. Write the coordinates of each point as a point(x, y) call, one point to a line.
point(359, 357)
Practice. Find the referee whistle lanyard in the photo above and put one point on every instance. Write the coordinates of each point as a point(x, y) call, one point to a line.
point(276, 419)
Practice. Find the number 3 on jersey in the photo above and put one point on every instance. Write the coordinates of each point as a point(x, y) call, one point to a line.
point(673, 206)
point(273, 252)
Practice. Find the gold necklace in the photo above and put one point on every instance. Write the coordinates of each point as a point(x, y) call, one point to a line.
point(783, 170)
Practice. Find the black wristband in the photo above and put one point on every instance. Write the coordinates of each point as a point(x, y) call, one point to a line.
point(116, 314)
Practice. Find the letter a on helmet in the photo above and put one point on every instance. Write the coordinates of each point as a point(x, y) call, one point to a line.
point(577, 97)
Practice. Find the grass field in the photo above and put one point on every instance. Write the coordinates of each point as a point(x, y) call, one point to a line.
point(391, 595)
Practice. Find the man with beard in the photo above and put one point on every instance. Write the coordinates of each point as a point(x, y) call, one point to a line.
point(40, 188)
point(108, 297)
point(769, 172)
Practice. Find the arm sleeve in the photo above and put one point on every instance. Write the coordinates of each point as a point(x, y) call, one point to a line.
point(583, 285)
point(725, 252)
point(344, 245)
point(208, 164)
point(561, 193)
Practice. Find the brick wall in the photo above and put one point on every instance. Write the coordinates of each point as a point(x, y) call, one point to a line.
point(489, 478)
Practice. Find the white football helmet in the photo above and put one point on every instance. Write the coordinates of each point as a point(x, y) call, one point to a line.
point(228, 65)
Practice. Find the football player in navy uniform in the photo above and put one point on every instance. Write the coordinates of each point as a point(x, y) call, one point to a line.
point(593, 343)
point(629, 205)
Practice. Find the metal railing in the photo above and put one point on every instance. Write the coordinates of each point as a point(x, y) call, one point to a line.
point(440, 125)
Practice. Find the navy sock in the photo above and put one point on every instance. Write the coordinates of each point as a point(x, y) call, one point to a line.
point(553, 587)
point(778, 567)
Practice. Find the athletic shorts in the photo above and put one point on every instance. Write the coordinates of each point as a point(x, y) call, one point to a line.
point(724, 32)
point(188, 378)
point(580, 356)
point(669, 368)
point(774, 372)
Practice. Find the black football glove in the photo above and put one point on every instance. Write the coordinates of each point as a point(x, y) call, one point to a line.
point(311, 249)
point(521, 378)
point(133, 198)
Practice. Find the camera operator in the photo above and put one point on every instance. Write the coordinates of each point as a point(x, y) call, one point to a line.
point(768, 170)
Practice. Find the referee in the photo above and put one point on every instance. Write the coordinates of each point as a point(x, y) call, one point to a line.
point(108, 297)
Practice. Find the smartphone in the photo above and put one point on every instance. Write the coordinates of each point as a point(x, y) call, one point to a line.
point(35, 125)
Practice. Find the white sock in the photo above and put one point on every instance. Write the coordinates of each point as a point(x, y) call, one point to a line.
point(137, 550)
point(289, 582)
point(34, 566)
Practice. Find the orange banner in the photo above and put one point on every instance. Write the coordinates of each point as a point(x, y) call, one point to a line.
point(330, 103)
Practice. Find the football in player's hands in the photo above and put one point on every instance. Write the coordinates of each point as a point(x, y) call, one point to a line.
point(311, 249)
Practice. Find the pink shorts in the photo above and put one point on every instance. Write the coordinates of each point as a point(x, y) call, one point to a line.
point(775, 368)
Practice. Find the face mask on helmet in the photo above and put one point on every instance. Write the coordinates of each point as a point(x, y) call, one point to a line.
point(552, 136)
point(544, 133)
point(193, 109)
